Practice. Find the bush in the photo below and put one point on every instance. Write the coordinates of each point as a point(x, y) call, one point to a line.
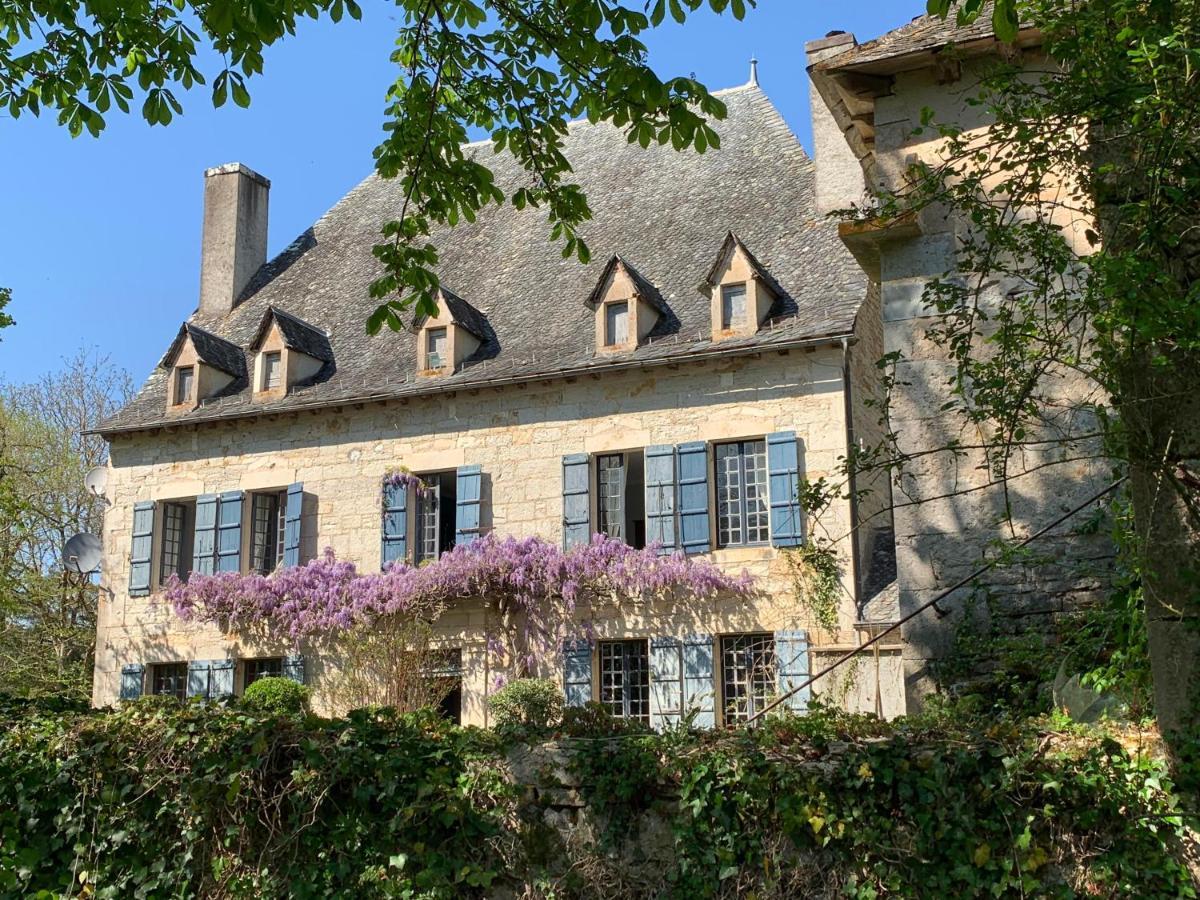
point(277, 696)
point(534, 703)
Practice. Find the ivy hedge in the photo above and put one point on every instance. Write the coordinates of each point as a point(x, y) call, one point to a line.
point(166, 799)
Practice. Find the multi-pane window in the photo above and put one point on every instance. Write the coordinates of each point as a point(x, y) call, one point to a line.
point(620, 497)
point(625, 679)
point(169, 679)
point(269, 667)
point(175, 553)
point(743, 512)
point(443, 669)
point(434, 515)
point(272, 370)
point(436, 346)
point(267, 513)
point(185, 377)
point(733, 305)
point(748, 674)
point(616, 324)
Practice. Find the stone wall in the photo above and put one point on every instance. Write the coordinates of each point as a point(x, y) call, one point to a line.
point(519, 436)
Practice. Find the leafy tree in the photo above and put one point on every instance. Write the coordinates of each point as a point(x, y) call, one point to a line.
point(5, 297)
point(1082, 198)
point(47, 616)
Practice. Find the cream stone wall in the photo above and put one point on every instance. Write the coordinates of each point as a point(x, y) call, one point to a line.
point(519, 436)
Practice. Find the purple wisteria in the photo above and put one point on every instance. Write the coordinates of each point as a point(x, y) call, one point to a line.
point(534, 591)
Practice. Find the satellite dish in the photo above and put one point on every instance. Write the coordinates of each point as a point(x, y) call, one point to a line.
point(81, 554)
point(96, 480)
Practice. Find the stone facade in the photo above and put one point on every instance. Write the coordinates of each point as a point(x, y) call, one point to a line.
point(950, 507)
point(519, 436)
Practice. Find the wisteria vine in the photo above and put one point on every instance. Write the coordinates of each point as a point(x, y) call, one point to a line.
point(536, 591)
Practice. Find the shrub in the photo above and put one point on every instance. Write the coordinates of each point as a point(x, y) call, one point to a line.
point(279, 696)
point(527, 702)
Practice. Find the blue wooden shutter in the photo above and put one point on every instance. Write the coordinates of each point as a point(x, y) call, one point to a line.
point(220, 682)
point(666, 682)
point(693, 497)
point(783, 464)
point(141, 549)
point(467, 504)
point(293, 668)
point(660, 497)
point(204, 546)
point(577, 671)
point(229, 532)
point(131, 681)
point(792, 667)
point(395, 524)
point(699, 691)
point(291, 524)
point(198, 674)
point(577, 504)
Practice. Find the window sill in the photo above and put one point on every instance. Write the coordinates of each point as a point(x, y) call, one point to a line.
point(743, 553)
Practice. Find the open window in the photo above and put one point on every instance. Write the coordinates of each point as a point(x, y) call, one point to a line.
point(434, 515)
point(175, 541)
point(621, 496)
point(443, 670)
point(268, 513)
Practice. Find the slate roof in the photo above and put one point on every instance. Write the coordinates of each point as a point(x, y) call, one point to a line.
point(670, 211)
point(297, 335)
point(645, 289)
point(211, 350)
point(924, 34)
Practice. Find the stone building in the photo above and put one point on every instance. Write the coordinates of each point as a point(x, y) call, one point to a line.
point(722, 343)
point(870, 102)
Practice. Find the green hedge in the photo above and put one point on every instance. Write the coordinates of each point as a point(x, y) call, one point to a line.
point(165, 799)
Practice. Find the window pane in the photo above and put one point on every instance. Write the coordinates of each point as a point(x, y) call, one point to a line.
point(610, 476)
point(429, 505)
point(616, 324)
point(435, 348)
point(625, 679)
point(748, 674)
point(183, 386)
point(169, 679)
point(264, 532)
point(743, 513)
point(171, 558)
point(733, 305)
point(272, 371)
point(729, 495)
point(754, 466)
point(263, 668)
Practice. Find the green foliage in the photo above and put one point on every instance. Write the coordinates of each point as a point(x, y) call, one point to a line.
point(166, 799)
point(527, 703)
point(816, 580)
point(276, 696)
point(5, 298)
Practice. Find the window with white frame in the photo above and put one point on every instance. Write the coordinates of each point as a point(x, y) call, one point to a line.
point(621, 497)
point(175, 542)
point(733, 305)
point(272, 370)
point(437, 346)
point(743, 510)
point(185, 384)
point(267, 515)
point(748, 675)
point(616, 324)
point(434, 515)
point(625, 679)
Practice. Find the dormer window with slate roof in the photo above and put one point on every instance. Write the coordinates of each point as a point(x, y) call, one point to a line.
point(444, 341)
point(199, 365)
point(627, 307)
point(742, 292)
point(287, 351)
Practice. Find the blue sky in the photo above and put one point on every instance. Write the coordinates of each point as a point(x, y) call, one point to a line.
point(100, 238)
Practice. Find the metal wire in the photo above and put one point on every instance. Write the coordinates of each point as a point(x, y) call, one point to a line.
point(850, 654)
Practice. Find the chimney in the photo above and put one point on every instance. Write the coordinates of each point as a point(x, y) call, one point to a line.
point(234, 243)
point(839, 176)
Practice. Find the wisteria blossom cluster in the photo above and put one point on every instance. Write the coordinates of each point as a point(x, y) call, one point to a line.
point(534, 589)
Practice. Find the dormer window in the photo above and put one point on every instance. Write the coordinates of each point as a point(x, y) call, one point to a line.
point(627, 307)
point(199, 365)
point(741, 291)
point(447, 340)
point(616, 323)
point(288, 352)
point(185, 379)
point(272, 368)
